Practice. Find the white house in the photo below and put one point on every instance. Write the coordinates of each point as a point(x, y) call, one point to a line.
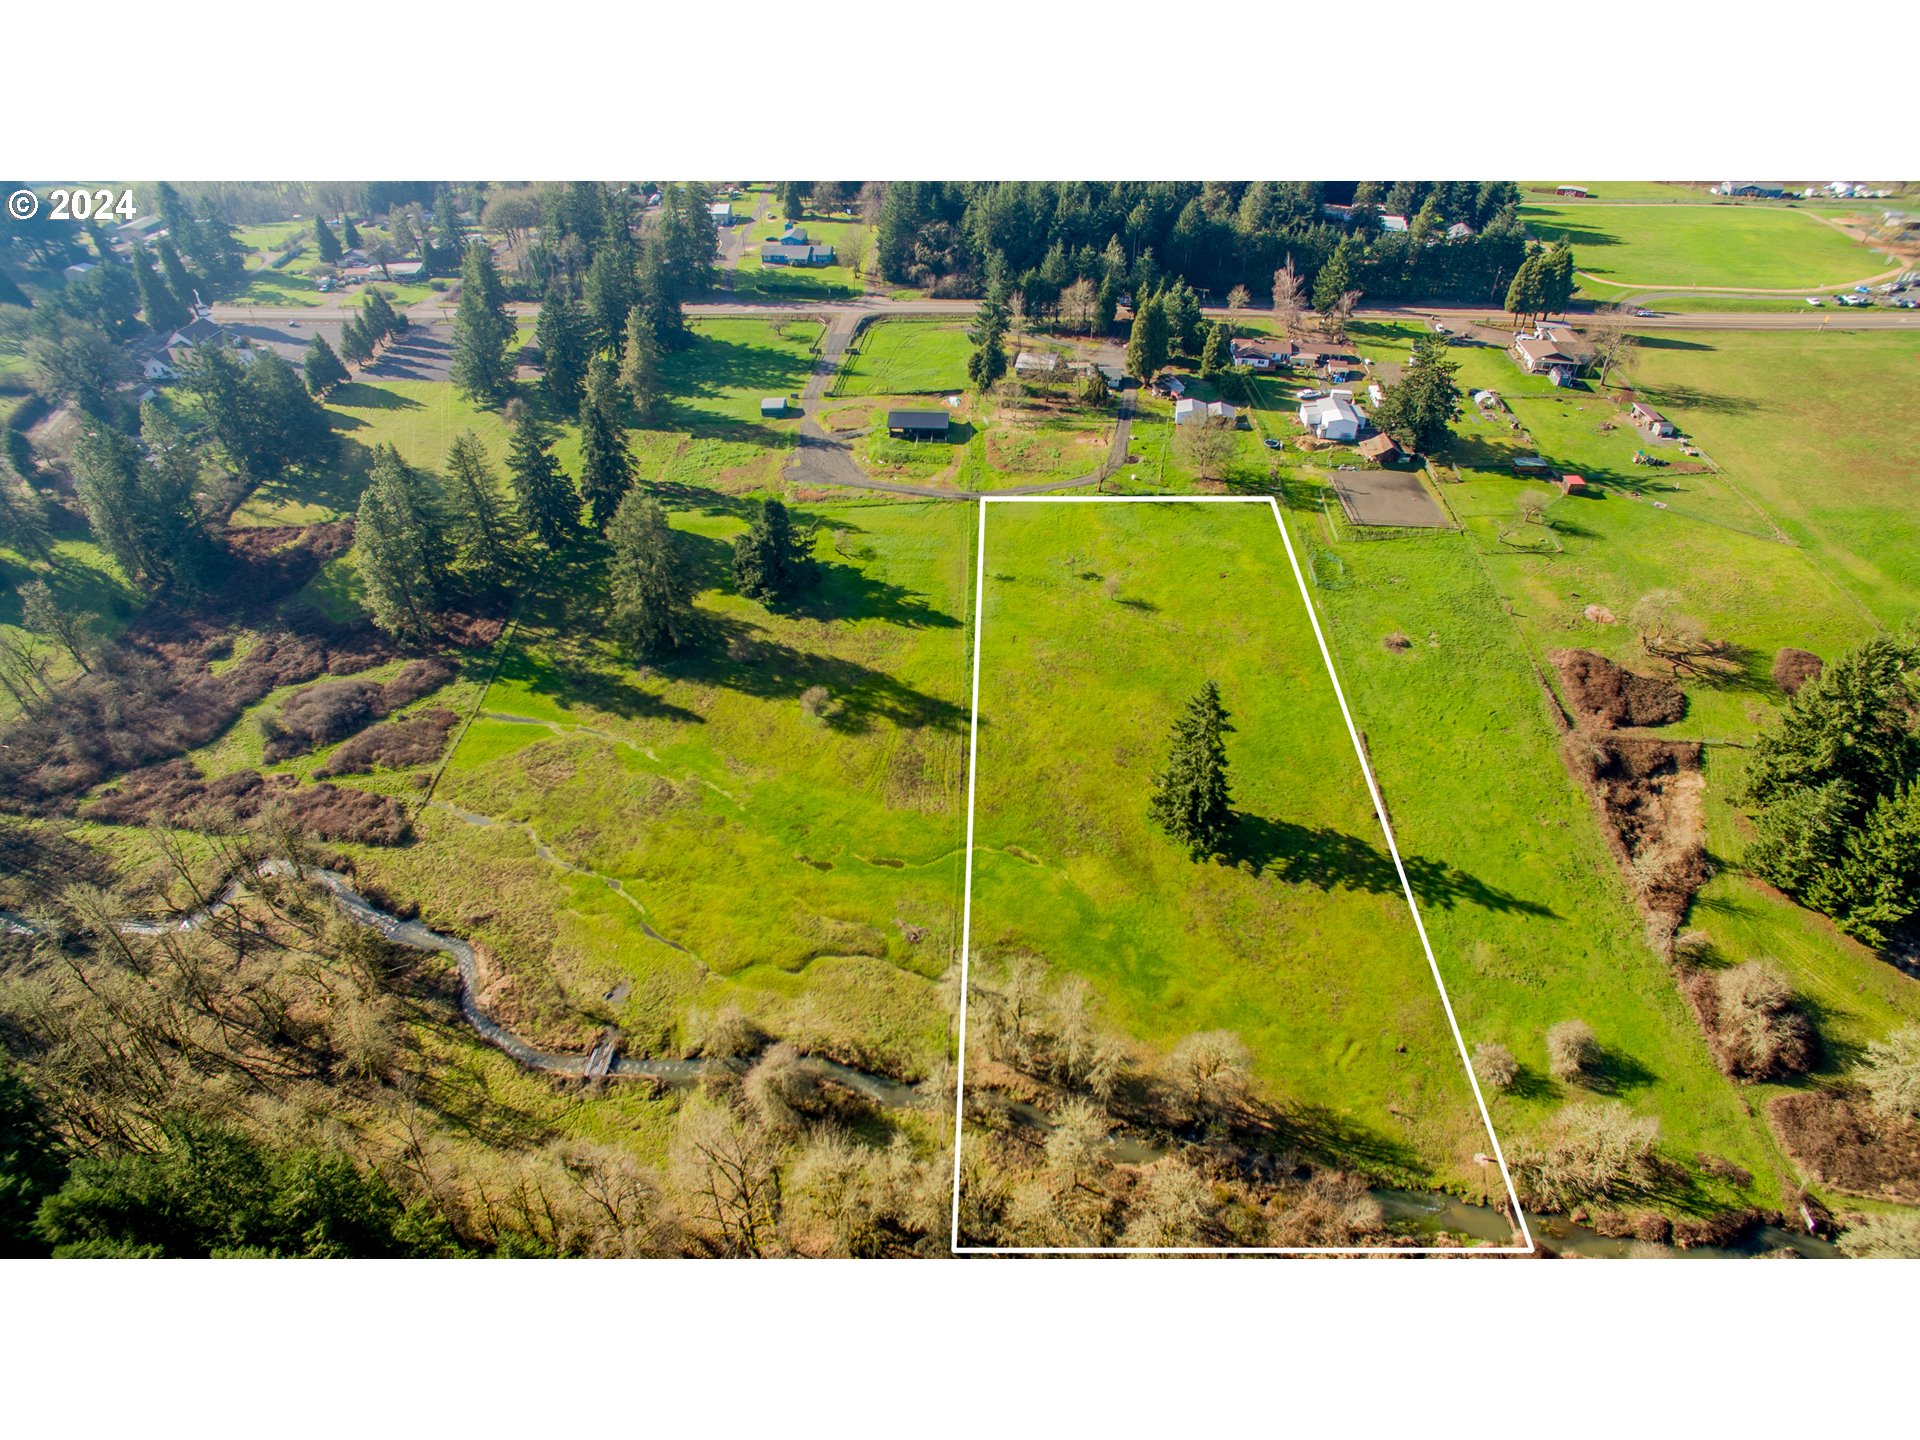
point(773, 407)
point(1261, 352)
point(1553, 351)
point(1332, 417)
point(721, 213)
point(1191, 412)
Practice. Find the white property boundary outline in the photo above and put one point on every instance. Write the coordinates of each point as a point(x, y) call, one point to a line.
point(1393, 848)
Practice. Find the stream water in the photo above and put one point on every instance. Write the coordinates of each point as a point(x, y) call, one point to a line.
point(1429, 1213)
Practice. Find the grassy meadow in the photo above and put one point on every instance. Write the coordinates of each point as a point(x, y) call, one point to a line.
point(771, 821)
point(1099, 622)
point(1644, 246)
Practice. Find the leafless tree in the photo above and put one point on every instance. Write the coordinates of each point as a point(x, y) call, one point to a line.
point(1239, 298)
point(1289, 298)
point(726, 1171)
point(1080, 306)
point(1613, 342)
point(1211, 1069)
point(1205, 446)
point(853, 249)
point(1334, 322)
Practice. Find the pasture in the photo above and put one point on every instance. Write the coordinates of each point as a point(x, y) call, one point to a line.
point(1643, 246)
point(1099, 621)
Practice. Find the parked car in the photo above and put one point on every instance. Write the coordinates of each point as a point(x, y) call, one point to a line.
point(1440, 329)
point(1863, 289)
point(1643, 314)
point(1813, 299)
point(1311, 395)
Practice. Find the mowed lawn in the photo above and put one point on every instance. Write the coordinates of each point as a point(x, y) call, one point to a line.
point(1724, 246)
point(907, 357)
point(1822, 431)
point(1100, 620)
point(780, 805)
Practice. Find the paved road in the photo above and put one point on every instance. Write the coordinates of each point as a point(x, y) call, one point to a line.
point(438, 311)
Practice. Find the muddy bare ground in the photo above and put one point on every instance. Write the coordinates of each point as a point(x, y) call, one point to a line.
point(1837, 1140)
point(1605, 696)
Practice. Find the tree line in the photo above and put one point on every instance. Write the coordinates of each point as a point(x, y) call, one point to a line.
point(1214, 236)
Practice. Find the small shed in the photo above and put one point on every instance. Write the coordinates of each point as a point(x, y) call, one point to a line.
point(917, 424)
point(1651, 420)
point(773, 407)
point(1573, 485)
point(1380, 449)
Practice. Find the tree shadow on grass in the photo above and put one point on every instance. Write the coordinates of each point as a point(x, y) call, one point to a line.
point(356, 395)
point(1328, 1137)
point(1330, 859)
point(739, 656)
point(1690, 397)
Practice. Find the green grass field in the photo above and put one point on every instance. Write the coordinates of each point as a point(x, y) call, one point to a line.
point(1725, 246)
point(907, 357)
point(1099, 621)
point(1820, 431)
point(753, 280)
point(782, 804)
point(1800, 535)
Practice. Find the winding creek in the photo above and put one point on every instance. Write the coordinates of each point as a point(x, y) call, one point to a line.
point(1425, 1213)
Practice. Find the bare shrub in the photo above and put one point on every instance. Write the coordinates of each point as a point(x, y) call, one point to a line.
point(1891, 1074)
point(1077, 1143)
point(1330, 1209)
point(1591, 1151)
point(1762, 1033)
point(1210, 1069)
point(1397, 642)
point(1495, 1065)
point(1169, 1206)
point(1606, 695)
point(416, 740)
point(724, 1034)
point(813, 701)
point(1793, 668)
point(1882, 1237)
point(1572, 1052)
point(336, 813)
point(859, 1201)
point(320, 715)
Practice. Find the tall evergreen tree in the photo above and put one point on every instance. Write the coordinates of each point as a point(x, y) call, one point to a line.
point(1215, 356)
point(1527, 294)
point(1192, 798)
point(143, 509)
point(355, 344)
point(401, 548)
point(473, 501)
point(164, 312)
point(774, 559)
point(564, 349)
point(606, 465)
point(323, 367)
point(179, 281)
point(326, 244)
point(652, 591)
point(1418, 409)
point(610, 295)
point(659, 300)
point(1335, 278)
point(640, 365)
point(349, 236)
point(549, 505)
point(988, 363)
point(481, 330)
point(1182, 309)
point(1147, 343)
